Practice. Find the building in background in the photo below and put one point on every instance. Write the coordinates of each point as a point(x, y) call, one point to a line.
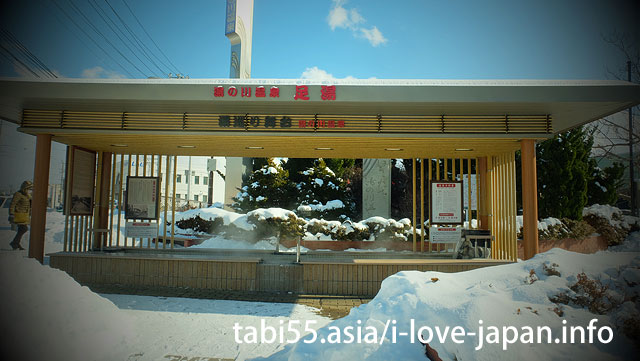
point(192, 179)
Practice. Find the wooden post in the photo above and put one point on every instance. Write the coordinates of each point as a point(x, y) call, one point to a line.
point(413, 210)
point(102, 220)
point(483, 210)
point(39, 200)
point(529, 198)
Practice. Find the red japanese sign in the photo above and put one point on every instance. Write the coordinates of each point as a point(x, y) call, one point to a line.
point(327, 92)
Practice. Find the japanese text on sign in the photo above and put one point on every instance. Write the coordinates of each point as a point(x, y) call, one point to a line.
point(327, 92)
point(446, 202)
point(272, 122)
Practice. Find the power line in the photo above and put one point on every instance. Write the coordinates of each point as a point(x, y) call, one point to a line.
point(104, 37)
point(75, 33)
point(128, 37)
point(91, 38)
point(153, 41)
point(95, 7)
point(13, 41)
point(140, 43)
point(13, 59)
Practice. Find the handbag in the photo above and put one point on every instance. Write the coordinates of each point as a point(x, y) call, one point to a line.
point(21, 218)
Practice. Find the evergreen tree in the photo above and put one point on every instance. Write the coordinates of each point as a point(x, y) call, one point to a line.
point(296, 166)
point(564, 174)
point(342, 167)
point(322, 194)
point(266, 187)
point(605, 183)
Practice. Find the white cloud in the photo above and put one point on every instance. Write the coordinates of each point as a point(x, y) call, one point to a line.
point(374, 36)
point(340, 17)
point(27, 73)
point(99, 72)
point(321, 75)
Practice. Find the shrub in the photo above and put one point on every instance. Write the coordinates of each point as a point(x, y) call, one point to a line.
point(198, 224)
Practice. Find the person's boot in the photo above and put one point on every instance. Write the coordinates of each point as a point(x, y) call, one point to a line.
point(20, 247)
point(14, 246)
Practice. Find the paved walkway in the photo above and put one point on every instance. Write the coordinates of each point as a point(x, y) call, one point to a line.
point(333, 307)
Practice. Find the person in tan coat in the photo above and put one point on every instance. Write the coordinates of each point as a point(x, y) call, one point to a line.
point(20, 212)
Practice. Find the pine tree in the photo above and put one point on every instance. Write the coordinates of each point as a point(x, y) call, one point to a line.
point(605, 183)
point(266, 187)
point(564, 174)
point(322, 194)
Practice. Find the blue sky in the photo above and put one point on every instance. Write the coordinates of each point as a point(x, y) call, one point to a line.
point(429, 39)
point(452, 39)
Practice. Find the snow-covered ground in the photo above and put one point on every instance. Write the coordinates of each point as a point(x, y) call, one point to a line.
point(47, 315)
point(514, 296)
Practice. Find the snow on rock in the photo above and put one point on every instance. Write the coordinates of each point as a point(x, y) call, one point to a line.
point(238, 220)
point(543, 224)
point(48, 316)
point(516, 294)
point(612, 214)
point(333, 204)
point(265, 213)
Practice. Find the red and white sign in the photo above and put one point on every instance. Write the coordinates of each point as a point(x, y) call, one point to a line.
point(446, 202)
point(303, 92)
point(444, 234)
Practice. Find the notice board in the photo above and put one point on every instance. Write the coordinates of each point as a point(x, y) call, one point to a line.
point(83, 179)
point(142, 201)
point(445, 199)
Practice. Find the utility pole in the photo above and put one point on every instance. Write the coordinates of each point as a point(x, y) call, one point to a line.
point(632, 182)
point(189, 182)
point(210, 185)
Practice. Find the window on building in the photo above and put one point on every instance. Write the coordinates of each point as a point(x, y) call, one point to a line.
point(177, 195)
point(179, 178)
point(204, 199)
point(205, 180)
point(196, 180)
point(195, 197)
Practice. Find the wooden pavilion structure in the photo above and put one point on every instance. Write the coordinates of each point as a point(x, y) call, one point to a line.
point(463, 124)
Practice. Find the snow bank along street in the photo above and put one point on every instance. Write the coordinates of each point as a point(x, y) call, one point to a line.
point(46, 307)
point(553, 291)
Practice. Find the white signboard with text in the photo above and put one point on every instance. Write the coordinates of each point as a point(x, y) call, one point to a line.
point(142, 198)
point(444, 234)
point(446, 202)
point(141, 230)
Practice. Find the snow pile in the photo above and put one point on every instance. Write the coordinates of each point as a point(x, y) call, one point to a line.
point(517, 295)
point(330, 205)
point(543, 224)
point(49, 316)
point(224, 243)
point(271, 213)
point(612, 214)
point(264, 223)
point(227, 217)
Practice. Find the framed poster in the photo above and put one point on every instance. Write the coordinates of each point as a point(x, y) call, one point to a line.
point(143, 197)
point(83, 178)
point(445, 202)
